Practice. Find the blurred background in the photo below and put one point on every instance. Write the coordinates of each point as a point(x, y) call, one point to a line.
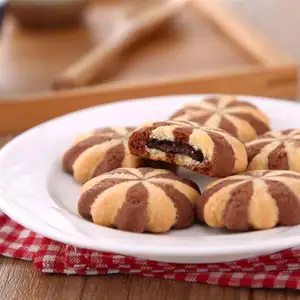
point(96, 51)
point(278, 20)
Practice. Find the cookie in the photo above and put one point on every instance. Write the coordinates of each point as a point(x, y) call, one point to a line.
point(241, 119)
point(138, 200)
point(275, 151)
point(99, 151)
point(253, 200)
point(212, 152)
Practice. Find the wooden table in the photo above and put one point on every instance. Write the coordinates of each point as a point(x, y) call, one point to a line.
point(278, 20)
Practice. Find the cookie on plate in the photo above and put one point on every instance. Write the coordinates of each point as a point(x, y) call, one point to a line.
point(253, 200)
point(240, 118)
point(99, 151)
point(138, 200)
point(212, 152)
point(275, 151)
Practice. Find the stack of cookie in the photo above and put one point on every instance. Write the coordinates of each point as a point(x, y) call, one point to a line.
point(129, 174)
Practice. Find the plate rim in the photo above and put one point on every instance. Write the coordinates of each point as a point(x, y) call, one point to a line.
point(279, 242)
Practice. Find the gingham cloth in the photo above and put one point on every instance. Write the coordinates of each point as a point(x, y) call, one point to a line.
point(278, 270)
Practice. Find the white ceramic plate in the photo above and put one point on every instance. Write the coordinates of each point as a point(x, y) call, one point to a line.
point(36, 193)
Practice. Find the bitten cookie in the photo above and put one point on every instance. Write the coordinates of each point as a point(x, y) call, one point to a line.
point(275, 151)
point(212, 152)
point(139, 200)
point(253, 200)
point(99, 151)
point(240, 118)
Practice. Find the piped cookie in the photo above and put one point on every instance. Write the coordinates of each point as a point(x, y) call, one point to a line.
point(139, 200)
point(251, 201)
point(212, 152)
point(241, 119)
point(99, 151)
point(275, 150)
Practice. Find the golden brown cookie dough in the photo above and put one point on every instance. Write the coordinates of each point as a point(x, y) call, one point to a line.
point(138, 200)
point(275, 151)
point(240, 118)
point(99, 151)
point(212, 152)
point(252, 200)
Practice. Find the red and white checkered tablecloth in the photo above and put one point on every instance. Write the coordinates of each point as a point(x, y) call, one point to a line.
point(278, 270)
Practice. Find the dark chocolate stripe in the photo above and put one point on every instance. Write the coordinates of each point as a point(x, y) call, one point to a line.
point(200, 119)
point(132, 216)
point(235, 214)
point(88, 197)
point(159, 124)
point(259, 126)
point(174, 177)
point(122, 171)
point(241, 103)
point(107, 130)
point(191, 183)
point(287, 202)
point(157, 164)
point(184, 207)
point(182, 134)
point(214, 101)
point(179, 113)
point(228, 126)
point(112, 160)
point(73, 153)
point(200, 203)
point(286, 131)
point(254, 149)
point(137, 141)
point(278, 159)
point(223, 158)
point(145, 171)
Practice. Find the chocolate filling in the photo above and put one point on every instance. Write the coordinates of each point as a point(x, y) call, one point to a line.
point(175, 148)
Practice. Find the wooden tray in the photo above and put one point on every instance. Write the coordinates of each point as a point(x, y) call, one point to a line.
point(207, 49)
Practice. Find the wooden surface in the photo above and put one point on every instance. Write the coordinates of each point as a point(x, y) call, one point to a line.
point(279, 20)
point(20, 282)
point(206, 49)
point(271, 82)
point(148, 18)
point(30, 60)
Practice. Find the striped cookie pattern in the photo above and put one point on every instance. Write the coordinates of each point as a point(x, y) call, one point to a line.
point(139, 200)
point(275, 151)
point(99, 151)
point(240, 118)
point(212, 152)
point(252, 200)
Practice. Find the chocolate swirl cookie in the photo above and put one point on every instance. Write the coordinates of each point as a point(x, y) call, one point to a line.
point(275, 151)
point(212, 152)
point(240, 118)
point(253, 200)
point(99, 151)
point(139, 200)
